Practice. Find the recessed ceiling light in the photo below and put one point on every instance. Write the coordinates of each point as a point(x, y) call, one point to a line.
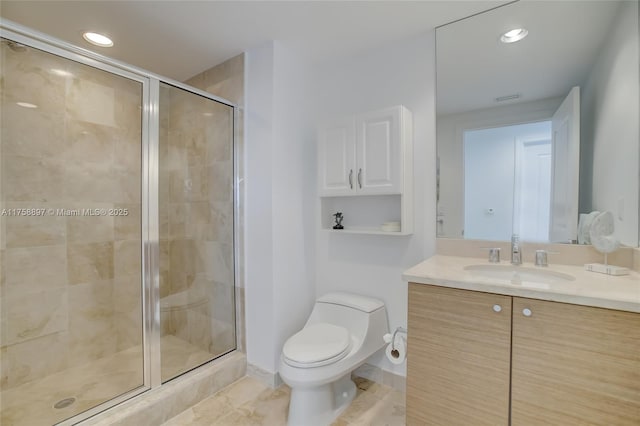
point(26, 105)
point(514, 35)
point(98, 39)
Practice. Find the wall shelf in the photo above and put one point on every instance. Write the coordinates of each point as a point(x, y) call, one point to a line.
point(365, 171)
point(369, 231)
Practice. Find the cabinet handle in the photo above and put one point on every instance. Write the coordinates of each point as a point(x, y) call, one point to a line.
point(526, 312)
point(360, 178)
point(497, 308)
point(351, 178)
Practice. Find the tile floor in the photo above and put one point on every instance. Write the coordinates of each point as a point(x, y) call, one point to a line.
point(250, 402)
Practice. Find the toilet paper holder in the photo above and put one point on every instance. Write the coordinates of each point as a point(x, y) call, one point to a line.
point(391, 338)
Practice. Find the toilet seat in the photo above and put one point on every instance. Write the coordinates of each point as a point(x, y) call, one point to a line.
point(317, 345)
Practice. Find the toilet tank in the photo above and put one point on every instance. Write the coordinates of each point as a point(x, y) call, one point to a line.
point(363, 316)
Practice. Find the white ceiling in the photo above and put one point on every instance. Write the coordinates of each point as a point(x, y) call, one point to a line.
point(474, 67)
point(179, 39)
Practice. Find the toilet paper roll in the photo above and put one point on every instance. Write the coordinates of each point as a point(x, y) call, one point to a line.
point(398, 353)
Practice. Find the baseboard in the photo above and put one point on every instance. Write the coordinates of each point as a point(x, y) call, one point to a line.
point(272, 380)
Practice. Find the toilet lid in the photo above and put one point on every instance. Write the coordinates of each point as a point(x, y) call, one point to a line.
point(316, 345)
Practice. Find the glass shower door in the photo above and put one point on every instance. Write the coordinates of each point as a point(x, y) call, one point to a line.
point(71, 333)
point(197, 308)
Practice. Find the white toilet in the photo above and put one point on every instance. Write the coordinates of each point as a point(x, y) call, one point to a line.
point(342, 331)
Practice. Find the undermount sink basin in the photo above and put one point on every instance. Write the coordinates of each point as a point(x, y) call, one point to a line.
point(520, 274)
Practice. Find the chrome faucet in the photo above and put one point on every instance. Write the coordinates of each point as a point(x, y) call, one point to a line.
point(516, 254)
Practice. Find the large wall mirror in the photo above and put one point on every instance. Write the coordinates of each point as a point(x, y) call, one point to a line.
point(536, 134)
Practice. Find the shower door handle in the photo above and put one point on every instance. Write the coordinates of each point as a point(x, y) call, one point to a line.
point(351, 178)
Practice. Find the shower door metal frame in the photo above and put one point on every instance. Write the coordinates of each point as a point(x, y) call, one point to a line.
point(149, 192)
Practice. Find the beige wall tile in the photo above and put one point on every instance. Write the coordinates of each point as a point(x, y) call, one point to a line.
point(33, 132)
point(129, 331)
point(30, 231)
point(127, 258)
point(90, 262)
point(199, 213)
point(219, 136)
point(91, 99)
point(91, 313)
point(36, 314)
point(128, 227)
point(89, 229)
point(86, 182)
point(223, 338)
point(225, 80)
point(4, 368)
point(27, 78)
point(35, 359)
point(219, 177)
point(35, 268)
point(127, 186)
point(219, 264)
point(198, 330)
point(32, 179)
point(86, 141)
point(221, 221)
point(188, 185)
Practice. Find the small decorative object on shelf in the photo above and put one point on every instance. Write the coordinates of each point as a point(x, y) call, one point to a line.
point(339, 218)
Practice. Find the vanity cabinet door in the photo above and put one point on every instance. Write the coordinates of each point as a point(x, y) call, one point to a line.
point(459, 351)
point(574, 365)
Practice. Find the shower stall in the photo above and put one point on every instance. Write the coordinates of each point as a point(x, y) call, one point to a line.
point(116, 230)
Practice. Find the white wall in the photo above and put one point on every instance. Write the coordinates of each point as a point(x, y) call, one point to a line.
point(278, 213)
point(259, 139)
point(289, 262)
point(489, 167)
point(400, 73)
point(491, 174)
point(610, 128)
point(293, 158)
point(450, 130)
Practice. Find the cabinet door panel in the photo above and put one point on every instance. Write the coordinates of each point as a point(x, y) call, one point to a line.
point(574, 365)
point(458, 367)
point(379, 150)
point(336, 155)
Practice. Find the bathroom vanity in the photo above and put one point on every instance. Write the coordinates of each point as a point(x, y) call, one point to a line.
point(491, 345)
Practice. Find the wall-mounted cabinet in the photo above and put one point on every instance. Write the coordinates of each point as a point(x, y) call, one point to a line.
point(365, 171)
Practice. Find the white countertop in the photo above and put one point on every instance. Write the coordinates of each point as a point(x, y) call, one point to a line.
point(589, 288)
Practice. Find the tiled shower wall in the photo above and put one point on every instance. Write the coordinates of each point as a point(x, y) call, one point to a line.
point(79, 148)
point(226, 80)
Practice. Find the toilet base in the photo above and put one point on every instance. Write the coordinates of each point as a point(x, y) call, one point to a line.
point(320, 405)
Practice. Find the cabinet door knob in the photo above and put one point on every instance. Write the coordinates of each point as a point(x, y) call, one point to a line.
point(526, 312)
point(351, 178)
point(497, 308)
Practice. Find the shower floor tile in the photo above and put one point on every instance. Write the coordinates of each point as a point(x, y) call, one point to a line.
point(31, 404)
point(250, 402)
